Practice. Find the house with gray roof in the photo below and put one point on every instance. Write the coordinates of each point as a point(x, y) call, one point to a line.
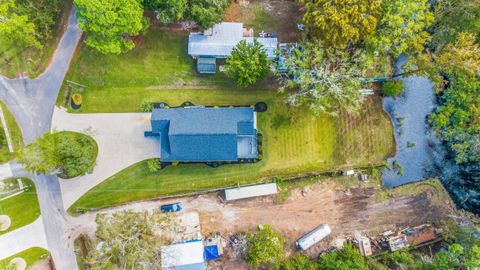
point(218, 42)
point(201, 134)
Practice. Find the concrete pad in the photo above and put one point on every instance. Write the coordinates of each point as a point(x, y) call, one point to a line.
point(18, 263)
point(32, 235)
point(120, 144)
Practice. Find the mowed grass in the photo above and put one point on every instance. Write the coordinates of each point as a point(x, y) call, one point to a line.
point(159, 70)
point(31, 256)
point(22, 209)
point(15, 134)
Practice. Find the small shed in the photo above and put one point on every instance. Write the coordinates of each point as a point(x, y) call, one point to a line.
point(245, 192)
point(313, 237)
point(184, 256)
point(206, 65)
point(364, 246)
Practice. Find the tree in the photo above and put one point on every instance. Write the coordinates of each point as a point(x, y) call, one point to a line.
point(248, 63)
point(110, 24)
point(323, 79)
point(128, 240)
point(168, 11)
point(265, 247)
point(43, 14)
point(16, 29)
point(392, 88)
point(338, 23)
point(69, 154)
point(453, 17)
point(402, 28)
point(344, 259)
point(300, 262)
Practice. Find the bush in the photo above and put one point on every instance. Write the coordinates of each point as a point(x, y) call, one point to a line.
point(248, 63)
point(77, 99)
point(146, 106)
point(153, 165)
point(265, 248)
point(392, 88)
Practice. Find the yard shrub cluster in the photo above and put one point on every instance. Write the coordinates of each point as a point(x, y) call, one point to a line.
point(248, 63)
point(69, 154)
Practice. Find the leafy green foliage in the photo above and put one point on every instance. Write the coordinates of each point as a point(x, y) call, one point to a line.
point(248, 63)
point(68, 153)
point(204, 12)
point(392, 88)
point(345, 259)
point(110, 24)
point(128, 240)
point(168, 11)
point(265, 248)
point(338, 23)
point(300, 262)
point(323, 79)
point(453, 17)
point(153, 165)
point(146, 106)
point(402, 28)
point(43, 14)
point(15, 27)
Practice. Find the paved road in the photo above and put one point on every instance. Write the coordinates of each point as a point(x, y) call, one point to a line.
point(31, 235)
point(32, 102)
point(119, 145)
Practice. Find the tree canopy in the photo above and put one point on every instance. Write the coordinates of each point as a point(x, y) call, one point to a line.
point(15, 28)
point(67, 153)
point(402, 27)
point(338, 23)
point(323, 79)
point(345, 259)
point(128, 240)
point(110, 24)
point(265, 247)
point(248, 63)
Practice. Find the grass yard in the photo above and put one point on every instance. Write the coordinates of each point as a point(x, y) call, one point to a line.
point(15, 61)
point(31, 256)
point(15, 133)
point(22, 209)
point(159, 69)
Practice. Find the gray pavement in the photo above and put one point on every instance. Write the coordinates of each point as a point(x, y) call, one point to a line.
point(31, 235)
point(32, 102)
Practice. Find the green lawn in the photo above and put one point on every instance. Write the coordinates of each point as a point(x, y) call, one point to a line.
point(31, 256)
point(294, 140)
point(22, 209)
point(15, 133)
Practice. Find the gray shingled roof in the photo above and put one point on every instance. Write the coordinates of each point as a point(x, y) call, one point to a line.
point(205, 134)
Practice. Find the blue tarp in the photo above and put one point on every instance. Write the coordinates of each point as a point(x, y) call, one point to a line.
point(211, 253)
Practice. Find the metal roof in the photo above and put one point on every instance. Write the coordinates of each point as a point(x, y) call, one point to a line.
point(199, 134)
point(314, 236)
point(206, 65)
point(184, 256)
point(224, 37)
point(250, 191)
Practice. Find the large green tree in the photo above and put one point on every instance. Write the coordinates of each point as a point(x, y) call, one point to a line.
point(402, 28)
point(69, 154)
point(248, 63)
point(338, 23)
point(128, 241)
point(323, 79)
point(345, 259)
point(265, 247)
point(453, 17)
point(168, 11)
point(110, 24)
point(15, 28)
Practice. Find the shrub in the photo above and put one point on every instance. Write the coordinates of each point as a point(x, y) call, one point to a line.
point(265, 248)
point(77, 99)
point(392, 88)
point(153, 165)
point(146, 106)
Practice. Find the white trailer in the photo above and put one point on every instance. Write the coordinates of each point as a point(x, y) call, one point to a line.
point(313, 237)
point(245, 192)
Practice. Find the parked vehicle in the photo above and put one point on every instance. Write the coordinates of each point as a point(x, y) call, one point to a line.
point(173, 207)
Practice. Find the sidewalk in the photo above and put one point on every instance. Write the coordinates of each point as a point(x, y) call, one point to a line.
point(32, 235)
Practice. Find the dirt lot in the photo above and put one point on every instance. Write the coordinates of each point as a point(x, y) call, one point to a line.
point(347, 211)
point(279, 16)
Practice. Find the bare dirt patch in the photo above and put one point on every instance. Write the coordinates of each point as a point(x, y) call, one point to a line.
point(279, 16)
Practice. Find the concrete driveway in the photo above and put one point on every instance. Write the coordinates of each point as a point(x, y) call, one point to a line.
point(120, 144)
point(32, 235)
